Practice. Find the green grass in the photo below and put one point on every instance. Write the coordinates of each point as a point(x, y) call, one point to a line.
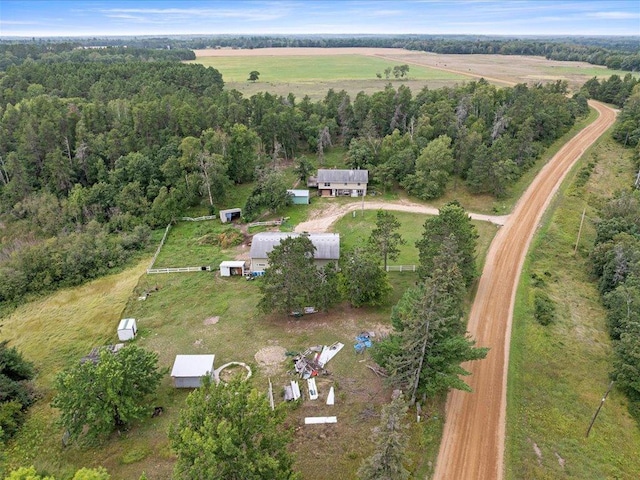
point(189, 244)
point(601, 72)
point(283, 69)
point(558, 373)
point(313, 76)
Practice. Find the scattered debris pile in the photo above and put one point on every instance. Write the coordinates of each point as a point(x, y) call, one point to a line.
point(312, 361)
point(309, 364)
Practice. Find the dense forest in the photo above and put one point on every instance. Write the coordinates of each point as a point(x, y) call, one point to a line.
point(620, 53)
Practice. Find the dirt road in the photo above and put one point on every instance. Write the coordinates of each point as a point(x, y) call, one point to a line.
point(472, 446)
point(322, 220)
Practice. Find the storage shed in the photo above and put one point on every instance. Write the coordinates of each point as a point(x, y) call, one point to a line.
point(127, 329)
point(230, 214)
point(188, 370)
point(299, 197)
point(229, 268)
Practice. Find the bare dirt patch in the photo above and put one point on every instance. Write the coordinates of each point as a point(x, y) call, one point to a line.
point(270, 358)
point(211, 320)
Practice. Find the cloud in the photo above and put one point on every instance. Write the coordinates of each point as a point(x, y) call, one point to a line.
point(19, 22)
point(199, 13)
point(614, 15)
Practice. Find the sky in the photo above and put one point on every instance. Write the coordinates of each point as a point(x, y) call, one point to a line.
point(42, 18)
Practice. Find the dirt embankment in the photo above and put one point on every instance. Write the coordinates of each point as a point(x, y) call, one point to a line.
point(472, 445)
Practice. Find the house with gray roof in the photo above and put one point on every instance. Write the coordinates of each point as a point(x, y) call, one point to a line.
point(349, 183)
point(327, 247)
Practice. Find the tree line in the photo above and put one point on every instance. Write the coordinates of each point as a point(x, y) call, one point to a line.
point(16, 53)
point(625, 93)
point(620, 53)
point(616, 263)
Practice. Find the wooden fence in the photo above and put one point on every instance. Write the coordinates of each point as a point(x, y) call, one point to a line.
point(179, 269)
point(401, 268)
point(270, 222)
point(155, 256)
point(199, 219)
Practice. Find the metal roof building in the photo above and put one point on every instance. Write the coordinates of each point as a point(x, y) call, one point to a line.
point(188, 370)
point(327, 247)
point(342, 176)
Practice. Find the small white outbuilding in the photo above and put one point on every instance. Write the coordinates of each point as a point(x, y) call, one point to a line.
point(127, 329)
point(232, 267)
point(188, 370)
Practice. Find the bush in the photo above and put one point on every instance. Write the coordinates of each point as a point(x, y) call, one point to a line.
point(544, 308)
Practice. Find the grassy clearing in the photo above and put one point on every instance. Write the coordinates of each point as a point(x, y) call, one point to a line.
point(558, 373)
point(283, 69)
point(189, 244)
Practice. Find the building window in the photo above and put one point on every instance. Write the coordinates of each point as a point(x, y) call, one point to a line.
point(327, 184)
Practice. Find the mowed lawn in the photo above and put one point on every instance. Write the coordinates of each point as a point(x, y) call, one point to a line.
point(284, 69)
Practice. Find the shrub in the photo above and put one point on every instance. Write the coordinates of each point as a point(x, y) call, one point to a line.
point(544, 308)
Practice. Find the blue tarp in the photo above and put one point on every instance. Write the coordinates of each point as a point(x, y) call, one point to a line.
point(362, 341)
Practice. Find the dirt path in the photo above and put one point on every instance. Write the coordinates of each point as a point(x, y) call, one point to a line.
point(322, 220)
point(474, 433)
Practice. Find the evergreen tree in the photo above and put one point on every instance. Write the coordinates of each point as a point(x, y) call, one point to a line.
point(384, 238)
point(428, 344)
point(452, 220)
point(390, 439)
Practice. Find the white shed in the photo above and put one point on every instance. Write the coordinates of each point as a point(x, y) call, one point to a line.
point(232, 267)
point(188, 370)
point(127, 329)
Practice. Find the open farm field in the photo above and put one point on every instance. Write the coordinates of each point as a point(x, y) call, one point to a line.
point(314, 75)
point(312, 71)
point(558, 373)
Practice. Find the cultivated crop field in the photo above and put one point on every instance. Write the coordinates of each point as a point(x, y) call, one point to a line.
point(312, 71)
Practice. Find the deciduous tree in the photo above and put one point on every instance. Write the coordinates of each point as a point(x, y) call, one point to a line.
point(289, 281)
point(228, 432)
point(362, 279)
point(94, 399)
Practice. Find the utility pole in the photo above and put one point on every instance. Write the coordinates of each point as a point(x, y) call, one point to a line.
point(575, 250)
point(599, 407)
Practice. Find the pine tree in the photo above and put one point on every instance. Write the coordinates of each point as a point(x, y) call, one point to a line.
point(385, 237)
point(452, 220)
point(390, 442)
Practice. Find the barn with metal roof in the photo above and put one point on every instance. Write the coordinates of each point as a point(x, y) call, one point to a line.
point(327, 247)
